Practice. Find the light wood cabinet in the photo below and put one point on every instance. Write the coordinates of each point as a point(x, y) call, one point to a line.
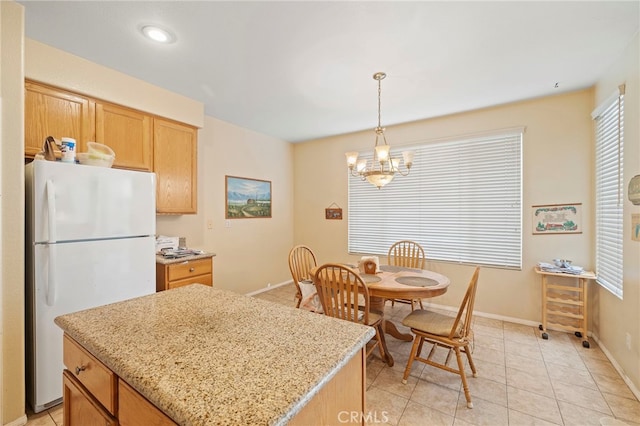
point(91, 393)
point(176, 275)
point(50, 111)
point(140, 140)
point(175, 164)
point(128, 132)
point(80, 407)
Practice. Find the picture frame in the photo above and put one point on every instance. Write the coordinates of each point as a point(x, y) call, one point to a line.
point(557, 219)
point(333, 213)
point(247, 198)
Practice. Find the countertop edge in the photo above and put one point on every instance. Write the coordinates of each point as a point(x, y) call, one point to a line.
point(168, 261)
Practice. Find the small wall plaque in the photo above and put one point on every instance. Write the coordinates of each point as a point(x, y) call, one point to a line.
point(333, 212)
point(634, 190)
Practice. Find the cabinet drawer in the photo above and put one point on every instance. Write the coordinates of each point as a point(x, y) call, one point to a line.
point(79, 407)
point(200, 279)
point(190, 268)
point(95, 376)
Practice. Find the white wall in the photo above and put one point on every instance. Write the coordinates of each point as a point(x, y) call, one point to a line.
point(613, 318)
point(12, 219)
point(250, 253)
point(557, 162)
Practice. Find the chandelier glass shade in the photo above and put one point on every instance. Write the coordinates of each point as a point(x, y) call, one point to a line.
point(384, 167)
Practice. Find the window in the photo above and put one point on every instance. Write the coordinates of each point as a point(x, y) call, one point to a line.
point(609, 125)
point(461, 202)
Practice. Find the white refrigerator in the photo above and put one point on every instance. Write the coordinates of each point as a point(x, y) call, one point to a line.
point(90, 241)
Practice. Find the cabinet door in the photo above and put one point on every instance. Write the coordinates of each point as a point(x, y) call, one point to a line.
point(54, 112)
point(128, 133)
point(136, 410)
point(79, 407)
point(174, 161)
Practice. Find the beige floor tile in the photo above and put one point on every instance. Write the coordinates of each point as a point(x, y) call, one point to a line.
point(535, 405)
point(386, 404)
point(574, 415)
point(491, 371)
point(420, 415)
point(528, 349)
point(487, 330)
point(516, 418)
point(441, 377)
point(489, 342)
point(41, 419)
point(520, 362)
point(571, 376)
point(600, 367)
point(435, 396)
point(391, 381)
point(488, 390)
point(483, 412)
point(57, 414)
point(623, 408)
point(490, 322)
point(564, 359)
point(491, 355)
point(529, 381)
point(613, 385)
point(582, 397)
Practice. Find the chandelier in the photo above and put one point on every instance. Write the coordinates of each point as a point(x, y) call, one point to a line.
point(383, 167)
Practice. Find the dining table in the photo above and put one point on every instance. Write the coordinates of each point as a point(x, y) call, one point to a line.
point(397, 282)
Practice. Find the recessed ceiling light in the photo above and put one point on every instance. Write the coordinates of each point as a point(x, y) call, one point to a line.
point(158, 34)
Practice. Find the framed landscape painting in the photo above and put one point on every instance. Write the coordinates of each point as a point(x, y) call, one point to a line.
point(247, 198)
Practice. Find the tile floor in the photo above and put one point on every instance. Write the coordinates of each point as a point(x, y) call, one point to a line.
point(522, 380)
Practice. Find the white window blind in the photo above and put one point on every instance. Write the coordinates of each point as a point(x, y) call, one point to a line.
point(461, 202)
point(609, 125)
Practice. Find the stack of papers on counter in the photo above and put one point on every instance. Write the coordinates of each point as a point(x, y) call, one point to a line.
point(549, 267)
point(179, 252)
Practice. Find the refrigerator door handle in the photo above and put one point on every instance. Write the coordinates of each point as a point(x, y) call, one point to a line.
point(51, 211)
point(51, 279)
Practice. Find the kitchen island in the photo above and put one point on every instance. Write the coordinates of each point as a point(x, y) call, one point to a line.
point(207, 356)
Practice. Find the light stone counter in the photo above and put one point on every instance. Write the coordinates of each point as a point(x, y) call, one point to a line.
point(207, 356)
point(167, 261)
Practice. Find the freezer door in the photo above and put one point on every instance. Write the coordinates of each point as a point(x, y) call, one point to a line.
point(85, 275)
point(70, 202)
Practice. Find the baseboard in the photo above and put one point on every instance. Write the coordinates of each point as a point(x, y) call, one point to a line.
point(615, 364)
point(483, 314)
point(268, 288)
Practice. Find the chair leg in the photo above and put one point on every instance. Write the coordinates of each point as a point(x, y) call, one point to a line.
point(465, 385)
point(383, 345)
point(420, 301)
point(471, 364)
point(417, 342)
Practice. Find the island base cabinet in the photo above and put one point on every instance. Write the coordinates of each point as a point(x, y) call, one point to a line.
point(135, 410)
point(79, 406)
point(341, 401)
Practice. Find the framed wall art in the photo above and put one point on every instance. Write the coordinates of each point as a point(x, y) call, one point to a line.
point(557, 219)
point(247, 198)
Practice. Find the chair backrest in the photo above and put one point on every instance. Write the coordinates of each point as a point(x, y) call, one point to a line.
point(301, 261)
point(462, 325)
point(406, 253)
point(342, 292)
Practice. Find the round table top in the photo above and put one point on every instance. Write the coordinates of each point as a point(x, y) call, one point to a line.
point(405, 283)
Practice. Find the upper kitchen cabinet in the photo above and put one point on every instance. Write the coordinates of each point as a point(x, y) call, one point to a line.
point(175, 164)
point(54, 112)
point(128, 132)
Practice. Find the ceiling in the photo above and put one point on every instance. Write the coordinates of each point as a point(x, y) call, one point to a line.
point(300, 70)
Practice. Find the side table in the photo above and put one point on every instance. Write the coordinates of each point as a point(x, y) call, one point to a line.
point(565, 307)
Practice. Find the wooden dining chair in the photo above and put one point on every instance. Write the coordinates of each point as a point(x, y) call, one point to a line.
point(407, 254)
point(452, 333)
point(301, 261)
point(344, 295)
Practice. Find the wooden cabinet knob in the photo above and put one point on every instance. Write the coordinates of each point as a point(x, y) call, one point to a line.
point(191, 269)
point(80, 369)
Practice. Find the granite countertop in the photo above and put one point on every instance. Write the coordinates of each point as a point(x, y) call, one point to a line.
point(206, 356)
point(167, 261)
